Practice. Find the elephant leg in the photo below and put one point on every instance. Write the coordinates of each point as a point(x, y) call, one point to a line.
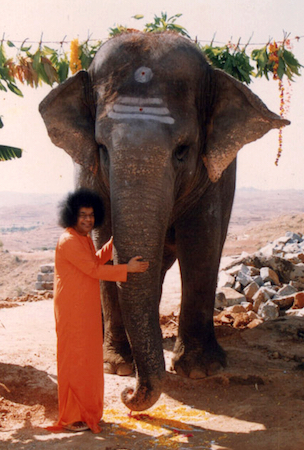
point(118, 357)
point(117, 353)
point(199, 238)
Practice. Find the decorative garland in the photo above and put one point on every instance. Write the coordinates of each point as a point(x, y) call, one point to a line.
point(274, 56)
point(49, 66)
point(75, 63)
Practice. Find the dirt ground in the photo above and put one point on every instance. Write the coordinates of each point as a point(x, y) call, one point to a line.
point(257, 402)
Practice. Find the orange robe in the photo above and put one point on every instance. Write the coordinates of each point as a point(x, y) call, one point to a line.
point(78, 269)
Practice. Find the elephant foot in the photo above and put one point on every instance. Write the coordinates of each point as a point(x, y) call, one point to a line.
point(196, 365)
point(197, 373)
point(117, 360)
point(122, 369)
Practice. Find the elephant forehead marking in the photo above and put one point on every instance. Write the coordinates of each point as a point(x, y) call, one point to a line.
point(140, 108)
point(144, 109)
point(143, 75)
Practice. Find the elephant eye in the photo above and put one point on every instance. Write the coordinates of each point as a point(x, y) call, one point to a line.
point(181, 152)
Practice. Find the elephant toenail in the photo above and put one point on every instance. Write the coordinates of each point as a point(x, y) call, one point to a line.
point(197, 374)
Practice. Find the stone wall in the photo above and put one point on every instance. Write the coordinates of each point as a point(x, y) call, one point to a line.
point(252, 288)
point(264, 285)
point(45, 278)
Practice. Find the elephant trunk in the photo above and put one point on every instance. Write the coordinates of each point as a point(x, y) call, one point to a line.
point(141, 207)
point(144, 395)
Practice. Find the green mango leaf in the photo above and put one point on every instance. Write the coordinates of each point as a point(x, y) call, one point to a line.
point(2, 55)
point(138, 16)
point(117, 30)
point(2, 88)
point(290, 59)
point(175, 15)
point(7, 153)
point(179, 29)
point(260, 56)
point(43, 76)
point(50, 73)
point(10, 44)
point(292, 62)
point(12, 87)
point(288, 73)
point(281, 69)
point(48, 51)
point(37, 61)
point(244, 76)
point(63, 71)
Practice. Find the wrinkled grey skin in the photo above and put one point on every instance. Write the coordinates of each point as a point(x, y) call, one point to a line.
point(167, 177)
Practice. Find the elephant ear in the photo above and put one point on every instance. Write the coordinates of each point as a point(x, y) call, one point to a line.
point(68, 114)
point(239, 117)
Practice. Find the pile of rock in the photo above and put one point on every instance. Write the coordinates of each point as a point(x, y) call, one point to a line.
point(45, 278)
point(264, 285)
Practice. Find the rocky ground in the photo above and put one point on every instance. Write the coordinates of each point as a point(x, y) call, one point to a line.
point(257, 402)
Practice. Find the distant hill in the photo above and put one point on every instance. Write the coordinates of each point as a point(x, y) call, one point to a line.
point(280, 200)
point(29, 230)
point(29, 221)
point(21, 198)
point(252, 205)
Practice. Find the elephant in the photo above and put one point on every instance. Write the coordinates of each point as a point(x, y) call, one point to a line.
point(155, 130)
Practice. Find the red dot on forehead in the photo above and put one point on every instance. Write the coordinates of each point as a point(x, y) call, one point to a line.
point(143, 74)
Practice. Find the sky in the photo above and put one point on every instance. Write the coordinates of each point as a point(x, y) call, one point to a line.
point(45, 168)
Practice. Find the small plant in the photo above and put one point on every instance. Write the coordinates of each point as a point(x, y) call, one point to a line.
point(162, 23)
point(165, 23)
point(118, 29)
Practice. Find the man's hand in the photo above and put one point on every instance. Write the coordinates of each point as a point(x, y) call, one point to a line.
point(135, 265)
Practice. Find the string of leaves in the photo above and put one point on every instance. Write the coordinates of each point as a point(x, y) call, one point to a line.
point(47, 65)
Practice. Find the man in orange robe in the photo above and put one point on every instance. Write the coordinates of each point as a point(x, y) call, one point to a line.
point(78, 269)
